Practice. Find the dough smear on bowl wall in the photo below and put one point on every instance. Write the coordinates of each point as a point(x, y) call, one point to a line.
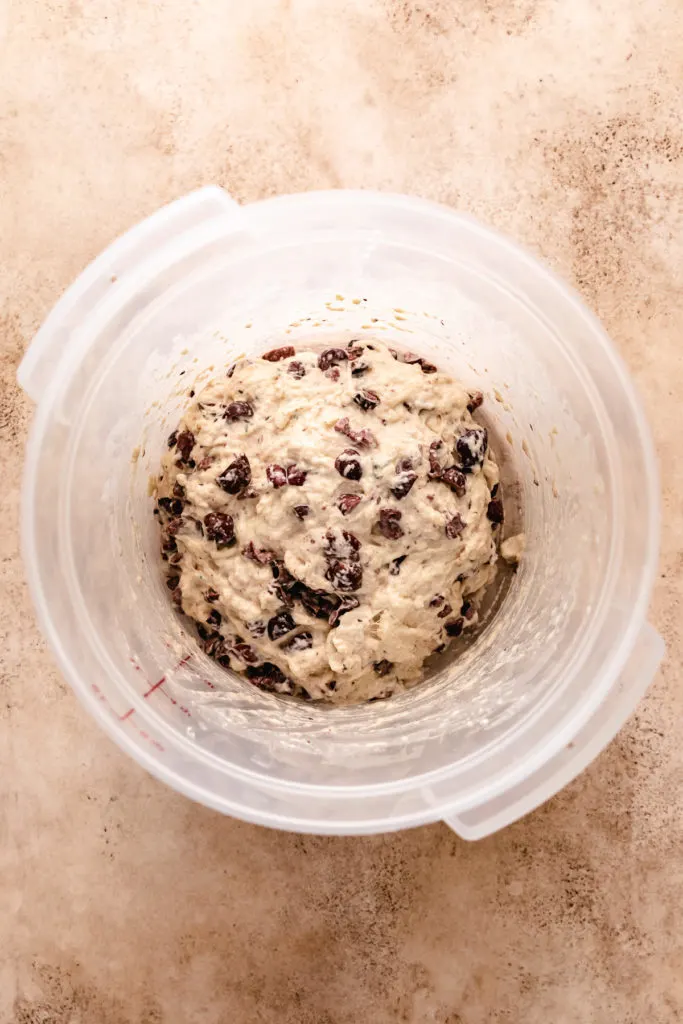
point(330, 518)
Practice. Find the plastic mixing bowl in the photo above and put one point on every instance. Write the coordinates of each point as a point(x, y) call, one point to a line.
point(561, 664)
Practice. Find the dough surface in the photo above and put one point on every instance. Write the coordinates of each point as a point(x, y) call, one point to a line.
point(329, 518)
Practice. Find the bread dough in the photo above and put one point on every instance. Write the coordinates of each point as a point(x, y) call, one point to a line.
point(329, 518)
point(512, 549)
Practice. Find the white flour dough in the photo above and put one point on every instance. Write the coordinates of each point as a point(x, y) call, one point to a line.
point(328, 518)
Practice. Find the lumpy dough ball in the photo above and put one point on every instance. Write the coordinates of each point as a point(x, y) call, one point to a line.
point(329, 518)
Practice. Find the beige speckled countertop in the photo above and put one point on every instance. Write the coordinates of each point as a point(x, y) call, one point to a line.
point(553, 120)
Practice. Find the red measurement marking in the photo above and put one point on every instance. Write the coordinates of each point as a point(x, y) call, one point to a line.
point(176, 704)
point(122, 718)
point(155, 686)
point(161, 681)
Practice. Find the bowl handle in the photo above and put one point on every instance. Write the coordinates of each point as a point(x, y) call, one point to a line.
point(119, 262)
point(591, 739)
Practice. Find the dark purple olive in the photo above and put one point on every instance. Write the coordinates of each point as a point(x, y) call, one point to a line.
point(276, 354)
point(331, 357)
point(455, 526)
point(366, 400)
point(185, 444)
point(238, 411)
point(345, 575)
point(296, 369)
point(236, 477)
point(471, 447)
point(456, 480)
point(270, 678)
point(280, 624)
point(220, 528)
point(347, 502)
point(388, 524)
point(348, 464)
point(476, 400)
point(495, 511)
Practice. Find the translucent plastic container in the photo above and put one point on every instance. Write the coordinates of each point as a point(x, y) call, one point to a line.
point(567, 656)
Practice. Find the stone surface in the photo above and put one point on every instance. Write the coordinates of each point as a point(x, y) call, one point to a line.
point(557, 121)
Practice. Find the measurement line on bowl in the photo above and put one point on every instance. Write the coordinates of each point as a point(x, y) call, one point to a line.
point(155, 686)
point(159, 682)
